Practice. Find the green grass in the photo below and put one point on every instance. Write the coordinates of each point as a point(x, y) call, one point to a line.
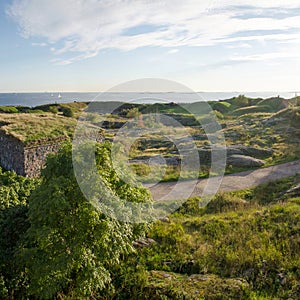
point(30, 128)
point(243, 245)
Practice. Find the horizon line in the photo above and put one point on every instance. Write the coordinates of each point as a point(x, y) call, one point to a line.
point(64, 92)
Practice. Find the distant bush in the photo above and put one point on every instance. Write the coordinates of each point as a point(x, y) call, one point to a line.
point(241, 101)
point(8, 109)
point(67, 111)
point(132, 113)
point(53, 109)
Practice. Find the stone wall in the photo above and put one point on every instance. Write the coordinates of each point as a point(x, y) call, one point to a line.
point(35, 158)
point(11, 153)
point(24, 160)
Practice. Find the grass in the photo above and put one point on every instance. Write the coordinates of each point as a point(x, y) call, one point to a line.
point(243, 245)
point(30, 128)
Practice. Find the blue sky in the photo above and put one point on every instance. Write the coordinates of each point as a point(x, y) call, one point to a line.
point(92, 45)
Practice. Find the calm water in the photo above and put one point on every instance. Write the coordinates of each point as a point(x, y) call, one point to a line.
point(34, 99)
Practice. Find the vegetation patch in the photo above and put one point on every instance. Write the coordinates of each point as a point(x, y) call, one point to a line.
point(37, 127)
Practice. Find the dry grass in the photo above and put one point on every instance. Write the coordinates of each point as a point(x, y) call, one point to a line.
point(37, 127)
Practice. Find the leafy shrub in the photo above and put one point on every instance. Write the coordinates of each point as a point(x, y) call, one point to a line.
point(240, 101)
point(53, 109)
point(14, 192)
point(67, 111)
point(132, 113)
point(71, 245)
point(8, 109)
point(224, 203)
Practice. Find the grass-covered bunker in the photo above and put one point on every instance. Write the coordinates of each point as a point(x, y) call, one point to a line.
point(26, 140)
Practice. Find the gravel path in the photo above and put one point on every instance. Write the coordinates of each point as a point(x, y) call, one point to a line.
point(229, 183)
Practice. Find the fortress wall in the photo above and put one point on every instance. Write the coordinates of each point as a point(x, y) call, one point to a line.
point(11, 154)
point(35, 158)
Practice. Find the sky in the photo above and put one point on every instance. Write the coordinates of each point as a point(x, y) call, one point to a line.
point(92, 45)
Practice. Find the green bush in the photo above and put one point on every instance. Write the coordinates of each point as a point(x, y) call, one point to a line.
point(240, 101)
point(67, 111)
point(53, 109)
point(14, 193)
point(72, 246)
point(223, 203)
point(8, 109)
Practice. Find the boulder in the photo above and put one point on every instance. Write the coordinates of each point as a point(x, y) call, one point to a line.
point(244, 161)
point(294, 192)
point(249, 151)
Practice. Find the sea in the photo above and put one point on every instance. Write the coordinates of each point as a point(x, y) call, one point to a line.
point(35, 99)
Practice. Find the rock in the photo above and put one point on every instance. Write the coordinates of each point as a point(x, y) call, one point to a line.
point(232, 150)
point(173, 161)
point(249, 151)
point(294, 192)
point(156, 160)
point(253, 152)
point(244, 161)
point(165, 220)
point(143, 242)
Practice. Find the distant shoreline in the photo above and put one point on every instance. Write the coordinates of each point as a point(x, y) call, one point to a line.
point(34, 99)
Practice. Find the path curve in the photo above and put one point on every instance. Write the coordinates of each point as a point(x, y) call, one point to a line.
point(229, 183)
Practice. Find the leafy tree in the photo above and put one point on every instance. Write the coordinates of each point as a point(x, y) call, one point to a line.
point(14, 192)
point(71, 245)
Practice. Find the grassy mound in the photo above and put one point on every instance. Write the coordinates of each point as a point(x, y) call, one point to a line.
point(37, 127)
point(251, 110)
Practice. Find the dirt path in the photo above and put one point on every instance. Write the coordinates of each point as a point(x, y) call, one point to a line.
point(234, 182)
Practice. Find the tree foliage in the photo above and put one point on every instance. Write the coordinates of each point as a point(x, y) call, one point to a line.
point(14, 192)
point(71, 246)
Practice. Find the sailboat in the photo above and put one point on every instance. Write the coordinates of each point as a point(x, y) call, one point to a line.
point(59, 96)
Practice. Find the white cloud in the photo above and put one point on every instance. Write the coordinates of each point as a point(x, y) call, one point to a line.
point(39, 44)
point(240, 45)
point(173, 51)
point(265, 56)
point(85, 27)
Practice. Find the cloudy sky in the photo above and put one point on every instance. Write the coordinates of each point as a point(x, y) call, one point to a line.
point(91, 45)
